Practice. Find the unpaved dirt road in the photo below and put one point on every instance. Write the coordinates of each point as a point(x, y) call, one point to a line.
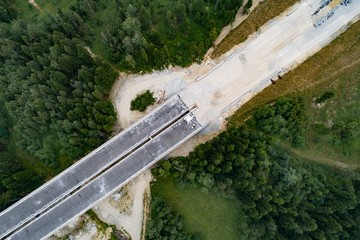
point(132, 218)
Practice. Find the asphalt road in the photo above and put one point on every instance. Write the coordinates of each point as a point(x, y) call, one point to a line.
point(56, 190)
point(111, 180)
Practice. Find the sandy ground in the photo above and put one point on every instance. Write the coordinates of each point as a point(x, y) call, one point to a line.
point(81, 228)
point(32, 2)
point(125, 208)
point(167, 82)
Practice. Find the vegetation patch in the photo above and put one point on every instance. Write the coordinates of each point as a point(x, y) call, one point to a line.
point(142, 101)
point(102, 226)
point(247, 6)
point(325, 96)
point(15, 180)
point(205, 214)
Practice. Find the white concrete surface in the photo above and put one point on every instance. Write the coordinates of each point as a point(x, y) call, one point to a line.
point(279, 46)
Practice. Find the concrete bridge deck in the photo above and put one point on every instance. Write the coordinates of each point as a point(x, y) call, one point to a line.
point(84, 172)
point(125, 170)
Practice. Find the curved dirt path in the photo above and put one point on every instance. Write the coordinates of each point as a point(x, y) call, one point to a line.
point(320, 159)
point(163, 84)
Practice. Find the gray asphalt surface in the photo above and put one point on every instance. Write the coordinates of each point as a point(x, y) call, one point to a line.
point(109, 181)
point(50, 193)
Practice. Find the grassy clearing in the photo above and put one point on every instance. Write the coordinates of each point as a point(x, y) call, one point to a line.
point(109, 10)
point(29, 161)
point(317, 157)
point(212, 216)
point(264, 12)
point(334, 128)
point(51, 6)
point(332, 135)
point(26, 10)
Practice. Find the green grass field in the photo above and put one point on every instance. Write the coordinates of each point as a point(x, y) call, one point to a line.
point(212, 216)
point(51, 6)
point(332, 135)
point(334, 127)
point(26, 10)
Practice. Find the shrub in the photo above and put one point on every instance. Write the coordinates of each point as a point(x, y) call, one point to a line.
point(142, 101)
point(327, 95)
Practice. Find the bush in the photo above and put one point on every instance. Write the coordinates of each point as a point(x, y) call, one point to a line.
point(142, 101)
point(247, 6)
point(327, 95)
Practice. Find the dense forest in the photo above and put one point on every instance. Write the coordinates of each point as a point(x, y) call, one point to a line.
point(54, 95)
point(53, 88)
point(142, 35)
point(151, 34)
point(282, 197)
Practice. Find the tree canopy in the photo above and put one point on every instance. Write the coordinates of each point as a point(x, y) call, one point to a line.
point(53, 88)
